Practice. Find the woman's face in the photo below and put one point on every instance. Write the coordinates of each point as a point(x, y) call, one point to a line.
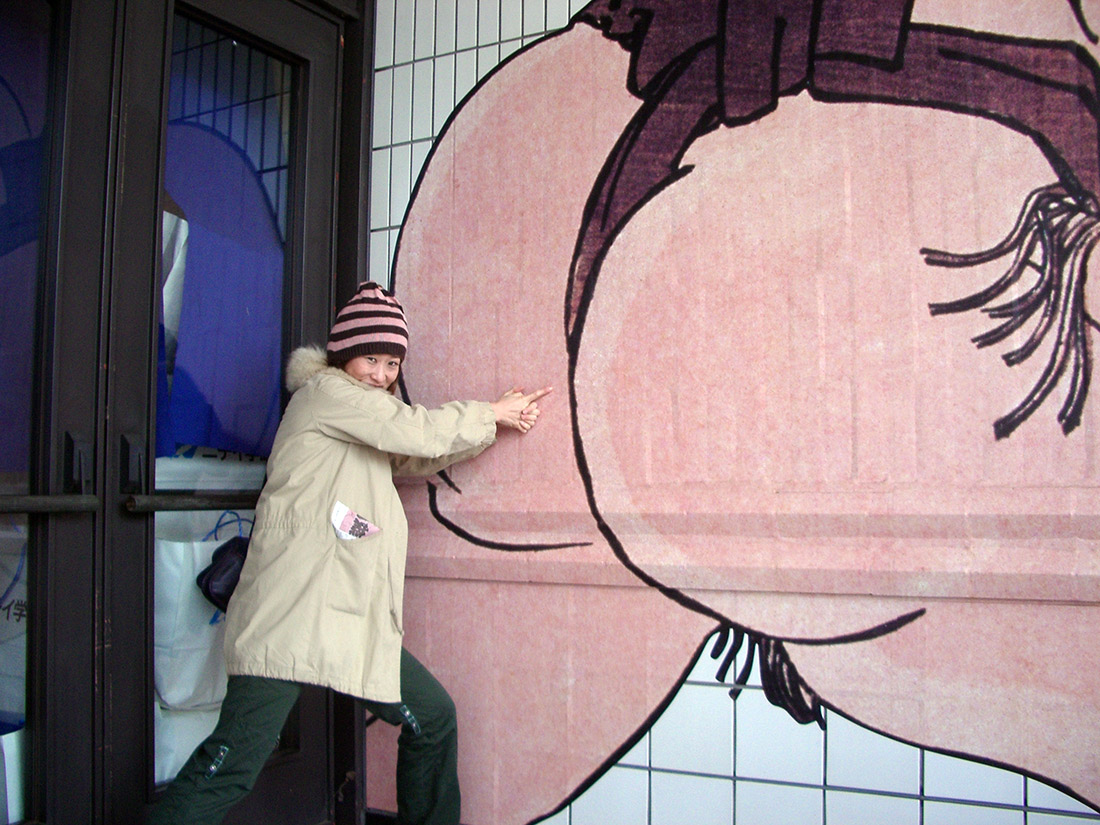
point(376, 370)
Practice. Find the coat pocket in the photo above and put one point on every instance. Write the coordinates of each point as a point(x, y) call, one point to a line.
point(357, 574)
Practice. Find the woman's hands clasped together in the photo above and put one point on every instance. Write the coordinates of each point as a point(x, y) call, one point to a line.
point(517, 409)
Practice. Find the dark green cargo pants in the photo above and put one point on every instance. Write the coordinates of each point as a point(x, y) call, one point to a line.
point(223, 769)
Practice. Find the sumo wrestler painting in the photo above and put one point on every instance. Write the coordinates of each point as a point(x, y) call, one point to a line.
point(811, 278)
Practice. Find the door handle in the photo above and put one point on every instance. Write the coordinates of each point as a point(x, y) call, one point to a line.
point(131, 464)
point(79, 470)
point(74, 503)
point(193, 500)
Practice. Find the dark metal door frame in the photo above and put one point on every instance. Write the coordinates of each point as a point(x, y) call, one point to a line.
point(89, 708)
point(65, 638)
point(296, 785)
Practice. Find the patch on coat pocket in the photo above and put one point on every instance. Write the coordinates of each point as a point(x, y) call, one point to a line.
point(348, 524)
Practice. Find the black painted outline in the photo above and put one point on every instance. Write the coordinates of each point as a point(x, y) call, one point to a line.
point(492, 545)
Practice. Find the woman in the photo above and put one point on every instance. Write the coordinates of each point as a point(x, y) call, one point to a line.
point(319, 599)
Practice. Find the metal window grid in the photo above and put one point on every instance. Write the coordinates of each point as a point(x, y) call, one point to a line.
point(241, 93)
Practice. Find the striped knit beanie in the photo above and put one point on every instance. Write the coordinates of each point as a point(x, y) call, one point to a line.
point(371, 323)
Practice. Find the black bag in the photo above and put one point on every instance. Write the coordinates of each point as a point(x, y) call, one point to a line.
point(218, 580)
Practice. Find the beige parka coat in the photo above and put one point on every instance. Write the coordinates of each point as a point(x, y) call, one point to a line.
point(312, 607)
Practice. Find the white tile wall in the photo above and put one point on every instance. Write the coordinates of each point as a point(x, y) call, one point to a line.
point(429, 54)
point(951, 813)
point(423, 81)
point(560, 818)
point(954, 778)
point(424, 34)
point(444, 100)
point(621, 797)
point(1055, 819)
point(488, 22)
point(558, 13)
point(848, 808)
point(401, 105)
point(705, 668)
point(681, 799)
point(391, 241)
point(797, 756)
point(694, 734)
point(466, 24)
point(465, 74)
point(380, 256)
point(509, 47)
point(1040, 795)
point(759, 803)
point(487, 59)
point(419, 156)
point(638, 755)
point(383, 33)
point(400, 186)
point(380, 190)
point(383, 106)
point(860, 758)
point(511, 19)
point(403, 31)
point(444, 26)
point(534, 16)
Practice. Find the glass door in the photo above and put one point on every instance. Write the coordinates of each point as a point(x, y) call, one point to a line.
point(219, 347)
point(25, 40)
point(241, 271)
point(167, 232)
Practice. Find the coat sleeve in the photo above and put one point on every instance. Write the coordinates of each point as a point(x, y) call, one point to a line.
point(407, 465)
point(384, 422)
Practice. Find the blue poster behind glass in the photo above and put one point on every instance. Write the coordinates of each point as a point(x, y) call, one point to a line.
point(222, 390)
point(24, 41)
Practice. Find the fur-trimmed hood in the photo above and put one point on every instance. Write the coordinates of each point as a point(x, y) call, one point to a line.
point(303, 364)
point(306, 362)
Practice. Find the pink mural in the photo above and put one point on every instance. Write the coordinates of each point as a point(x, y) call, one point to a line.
point(811, 281)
